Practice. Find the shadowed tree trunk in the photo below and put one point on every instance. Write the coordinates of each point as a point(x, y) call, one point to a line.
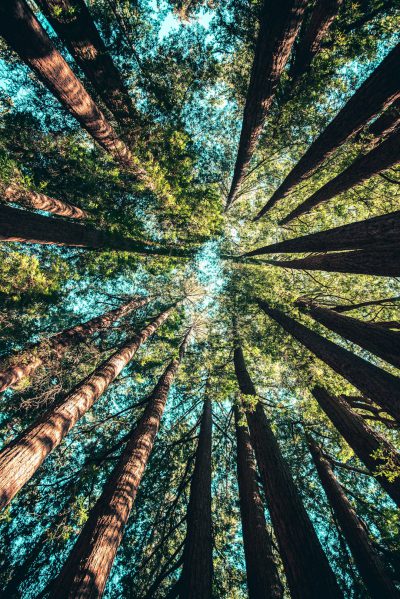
point(22, 457)
point(380, 158)
point(197, 571)
point(279, 24)
point(348, 307)
point(386, 123)
point(307, 569)
point(39, 201)
point(23, 363)
point(368, 562)
point(378, 92)
point(376, 339)
point(88, 566)
point(368, 445)
point(262, 575)
point(377, 384)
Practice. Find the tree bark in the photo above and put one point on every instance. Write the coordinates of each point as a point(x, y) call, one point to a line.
point(368, 445)
point(367, 560)
point(279, 25)
point(88, 566)
point(23, 363)
point(386, 123)
point(262, 574)
point(39, 201)
point(376, 94)
point(380, 158)
point(22, 457)
point(197, 571)
point(377, 384)
point(307, 569)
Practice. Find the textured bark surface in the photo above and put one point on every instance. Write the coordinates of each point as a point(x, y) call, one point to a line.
point(85, 573)
point(368, 562)
point(307, 569)
point(262, 575)
point(39, 201)
point(377, 384)
point(377, 93)
point(21, 364)
point(22, 457)
point(197, 571)
point(366, 443)
point(279, 25)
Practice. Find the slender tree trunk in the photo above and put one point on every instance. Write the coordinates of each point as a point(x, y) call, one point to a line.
point(348, 307)
point(22, 457)
point(262, 574)
point(376, 94)
point(368, 445)
point(386, 123)
point(88, 566)
point(380, 158)
point(23, 363)
point(39, 201)
point(197, 571)
point(279, 25)
point(368, 562)
point(376, 339)
point(307, 569)
point(377, 384)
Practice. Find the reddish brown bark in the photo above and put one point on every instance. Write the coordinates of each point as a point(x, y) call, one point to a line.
point(376, 94)
point(307, 569)
point(88, 566)
point(22, 364)
point(22, 457)
point(279, 24)
point(370, 447)
point(367, 560)
point(377, 384)
point(39, 201)
point(197, 571)
point(262, 575)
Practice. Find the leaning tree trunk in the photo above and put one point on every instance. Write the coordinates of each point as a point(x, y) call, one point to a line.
point(307, 569)
point(380, 158)
point(348, 307)
point(279, 25)
point(197, 571)
point(15, 193)
point(22, 457)
point(369, 446)
point(386, 123)
point(88, 566)
point(366, 558)
point(262, 574)
point(370, 336)
point(377, 384)
point(23, 363)
point(378, 92)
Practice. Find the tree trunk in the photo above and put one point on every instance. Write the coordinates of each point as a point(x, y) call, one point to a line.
point(348, 307)
point(386, 123)
point(39, 201)
point(22, 457)
point(377, 93)
point(368, 562)
point(380, 158)
point(307, 569)
point(369, 446)
point(312, 35)
point(279, 25)
point(262, 575)
point(88, 566)
point(377, 384)
point(197, 571)
point(368, 335)
point(23, 363)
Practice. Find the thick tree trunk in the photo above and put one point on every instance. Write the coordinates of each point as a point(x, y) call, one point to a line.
point(370, 336)
point(369, 446)
point(23, 363)
point(378, 92)
point(39, 201)
point(279, 25)
point(197, 571)
point(262, 574)
point(22, 457)
point(307, 569)
point(368, 562)
point(380, 158)
point(377, 384)
point(88, 566)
